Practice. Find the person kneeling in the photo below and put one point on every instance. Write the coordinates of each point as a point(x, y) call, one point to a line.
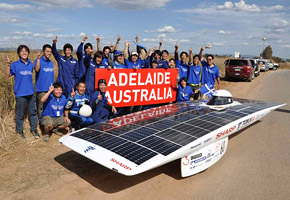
point(77, 107)
point(52, 118)
point(99, 103)
point(184, 92)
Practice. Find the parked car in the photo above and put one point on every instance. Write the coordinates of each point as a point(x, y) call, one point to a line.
point(263, 65)
point(276, 66)
point(256, 67)
point(270, 64)
point(240, 68)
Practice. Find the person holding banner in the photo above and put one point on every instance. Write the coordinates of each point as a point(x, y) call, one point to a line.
point(136, 61)
point(117, 62)
point(99, 103)
point(156, 55)
point(91, 69)
point(184, 91)
point(68, 67)
point(88, 50)
point(181, 63)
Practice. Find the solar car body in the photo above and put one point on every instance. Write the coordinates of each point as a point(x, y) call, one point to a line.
point(196, 133)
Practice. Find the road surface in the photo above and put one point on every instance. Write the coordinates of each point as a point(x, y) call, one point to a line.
point(255, 166)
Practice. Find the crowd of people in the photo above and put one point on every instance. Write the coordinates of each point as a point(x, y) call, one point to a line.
point(56, 105)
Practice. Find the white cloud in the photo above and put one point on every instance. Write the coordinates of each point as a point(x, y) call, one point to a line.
point(149, 31)
point(218, 44)
point(277, 23)
point(44, 35)
point(227, 5)
point(22, 33)
point(49, 30)
point(149, 40)
point(64, 3)
point(223, 32)
point(285, 46)
point(133, 4)
point(82, 34)
point(163, 35)
point(10, 20)
point(167, 29)
point(242, 6)
point(246, 44)
point(15, 7)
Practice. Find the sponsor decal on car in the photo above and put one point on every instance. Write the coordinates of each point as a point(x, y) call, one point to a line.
point(120, 164)
point(89, 148)
point(246, 122)
point(195, 146)
point(196, 156)
point(225, 132)
point(207, 140)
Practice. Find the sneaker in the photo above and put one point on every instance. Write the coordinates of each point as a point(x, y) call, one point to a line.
point(35, 134)
point(22, 135)
point(57, 132)
point(45, 138)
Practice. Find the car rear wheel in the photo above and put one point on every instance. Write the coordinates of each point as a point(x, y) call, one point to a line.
point(274, 68)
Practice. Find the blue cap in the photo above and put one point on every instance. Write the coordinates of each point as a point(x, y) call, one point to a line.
point(118, 53)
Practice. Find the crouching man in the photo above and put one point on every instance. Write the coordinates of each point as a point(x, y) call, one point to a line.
point(78, 99)
point(99, 103)
point(52, 118)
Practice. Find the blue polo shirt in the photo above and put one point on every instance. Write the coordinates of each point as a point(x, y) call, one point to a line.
point(138, 64)
point(193, 74)
point(23, 85)
point(118, 65)
point(100, 113)
point(78, 101)
point(45, 76)
point(53, 106)
point(182, 69)
point(209, 74)
point(184, 94)
point(105, 63)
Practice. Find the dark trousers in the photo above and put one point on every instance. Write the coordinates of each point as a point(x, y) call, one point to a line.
point(21, 104)
point(39, 104)
point(195, 95)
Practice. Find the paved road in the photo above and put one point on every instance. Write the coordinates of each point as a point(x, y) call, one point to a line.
point(256, 165)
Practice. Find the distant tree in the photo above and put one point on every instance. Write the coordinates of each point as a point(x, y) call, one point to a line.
point(267, 53)
point(277, 59)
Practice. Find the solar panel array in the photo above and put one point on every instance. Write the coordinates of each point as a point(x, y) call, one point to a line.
point(142, 140)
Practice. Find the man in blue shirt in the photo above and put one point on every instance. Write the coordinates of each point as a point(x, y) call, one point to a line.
point(194, 72)
point(44, 75)
point(91, 69)
point(68, 67)
point(118, 61)
point(184, 92)
point(23, 89)
point(136, 61)
point(77, 99)
point(88, 50)
point(210, 72)
point(52, 118)
point(156, 55)
point(181, 63)
point(99, 103)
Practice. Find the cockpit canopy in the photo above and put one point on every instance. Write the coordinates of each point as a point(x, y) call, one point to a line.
point(221, 97)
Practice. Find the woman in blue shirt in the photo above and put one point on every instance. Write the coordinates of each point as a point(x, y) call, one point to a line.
point(184, 91)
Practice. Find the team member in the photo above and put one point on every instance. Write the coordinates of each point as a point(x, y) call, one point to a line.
point(184, 92)
point(52, 118)
point(44, 75)
point(77, 99)
point(164, 53)
point(99, 103)
point(156, 55)
point(194, 72)
point(88, 50)
point(210, 72)
point(171, 63)
point(68, 67)
point(181, 64)
point(118, 61)
point(107, 50)
point(137, 61)
point(23, 89)
point(91, 69)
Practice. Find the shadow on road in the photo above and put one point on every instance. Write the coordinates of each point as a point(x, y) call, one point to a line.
point(282, 110)
point(107, 180)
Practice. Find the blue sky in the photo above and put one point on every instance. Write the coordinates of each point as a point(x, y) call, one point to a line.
point(228, 25)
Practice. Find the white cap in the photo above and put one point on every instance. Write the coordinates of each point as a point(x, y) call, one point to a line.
point(222, 93)
point(134, 53)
